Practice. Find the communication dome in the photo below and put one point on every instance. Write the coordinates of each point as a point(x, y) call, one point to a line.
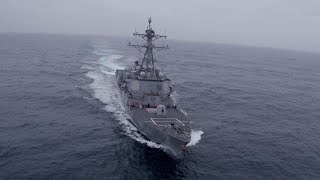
point(143, 74)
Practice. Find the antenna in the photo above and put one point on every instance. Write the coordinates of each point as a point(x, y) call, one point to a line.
point(149, 49)
point(149, 21)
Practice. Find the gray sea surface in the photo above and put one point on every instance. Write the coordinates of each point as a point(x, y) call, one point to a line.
point(255, 111)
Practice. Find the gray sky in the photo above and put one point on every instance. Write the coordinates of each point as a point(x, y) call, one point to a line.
point(290, 24)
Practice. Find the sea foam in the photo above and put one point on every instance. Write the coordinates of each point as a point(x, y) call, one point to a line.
point(195, 137)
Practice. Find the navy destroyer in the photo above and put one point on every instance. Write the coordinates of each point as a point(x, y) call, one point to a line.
point(146, 94)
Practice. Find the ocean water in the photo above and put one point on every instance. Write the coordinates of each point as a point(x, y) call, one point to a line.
point(255, 111)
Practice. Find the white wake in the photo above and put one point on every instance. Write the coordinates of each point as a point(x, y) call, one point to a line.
point(195, 137)
point(105, 90)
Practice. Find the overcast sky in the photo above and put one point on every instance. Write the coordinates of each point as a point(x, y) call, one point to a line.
point(290, 24)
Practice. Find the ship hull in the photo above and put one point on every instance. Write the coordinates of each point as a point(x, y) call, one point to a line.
point(142, 121)
point(140, 118)
point(146, 94)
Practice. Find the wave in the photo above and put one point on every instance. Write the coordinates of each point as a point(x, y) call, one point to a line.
point(195, 137)
point(110, 63)
point(103, 51)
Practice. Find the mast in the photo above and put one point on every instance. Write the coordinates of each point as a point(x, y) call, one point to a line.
point(150, 48)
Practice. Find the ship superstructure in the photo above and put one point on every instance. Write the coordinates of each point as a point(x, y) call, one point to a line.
point(146, 94)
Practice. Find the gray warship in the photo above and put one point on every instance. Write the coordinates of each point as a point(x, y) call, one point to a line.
point(146, 94)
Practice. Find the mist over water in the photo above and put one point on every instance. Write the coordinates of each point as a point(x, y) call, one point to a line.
point(254, 111)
